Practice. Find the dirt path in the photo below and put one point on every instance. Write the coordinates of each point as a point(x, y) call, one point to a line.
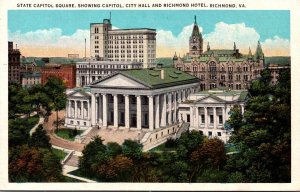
point(49, 126)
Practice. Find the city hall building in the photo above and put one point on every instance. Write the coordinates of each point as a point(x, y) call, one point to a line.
point(220, 67)
point(136, 44)
point(145, 99)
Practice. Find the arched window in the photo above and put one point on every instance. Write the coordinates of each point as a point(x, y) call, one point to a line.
point(212, 67)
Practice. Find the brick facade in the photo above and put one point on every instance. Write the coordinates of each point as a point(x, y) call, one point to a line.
point(65, 72)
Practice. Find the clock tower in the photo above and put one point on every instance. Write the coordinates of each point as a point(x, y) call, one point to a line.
point(196, 41)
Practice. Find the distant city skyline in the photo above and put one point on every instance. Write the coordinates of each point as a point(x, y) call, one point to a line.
point(59, 33)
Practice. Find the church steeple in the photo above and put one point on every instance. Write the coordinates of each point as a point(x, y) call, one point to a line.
point(259, 53)
point(234, 46)
point(196, 41)
point(208, 46)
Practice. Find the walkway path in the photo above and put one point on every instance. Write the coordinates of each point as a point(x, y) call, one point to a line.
point(41, 121)
point(50, 127)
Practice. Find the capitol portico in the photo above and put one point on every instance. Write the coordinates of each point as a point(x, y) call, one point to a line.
point(138, 99)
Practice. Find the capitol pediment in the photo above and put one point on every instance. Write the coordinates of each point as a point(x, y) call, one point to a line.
point(119, 81)
point(209, 99)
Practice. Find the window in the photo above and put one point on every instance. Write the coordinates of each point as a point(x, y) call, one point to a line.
point(211, 119)
point(201, 132)
point(202, 118)
point(209, 134)
point(219, 134)
point(220, 119)
point(71, 122)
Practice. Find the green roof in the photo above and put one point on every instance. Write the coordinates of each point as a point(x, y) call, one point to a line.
point(220, 52)
point(39, 63)
point(152, 77)
point(31, 74)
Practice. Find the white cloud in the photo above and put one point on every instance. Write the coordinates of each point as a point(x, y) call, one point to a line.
point(167, 43)
point(52, 42)
point(224, 35)
point(276, 45)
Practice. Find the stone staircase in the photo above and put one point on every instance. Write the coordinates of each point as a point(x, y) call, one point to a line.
point(92, 133)
point(184, 127)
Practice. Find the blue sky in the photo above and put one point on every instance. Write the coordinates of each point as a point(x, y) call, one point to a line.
point(268, 25)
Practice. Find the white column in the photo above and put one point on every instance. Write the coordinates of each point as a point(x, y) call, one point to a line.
point(223, 115)
point(179, 96)
point(197, 117)
point(151, 115)
point(69, 108)
point(93, 110)
point(215, 117)
point(104, 107)
point(96, 109)
point(127, 112)
point(157, 112)
point(75, 109)
point(183, 96)
point(175, 107)
point(138, 112)
point(100, 110)
point(81, 109)
point(205, 117)
point(164, 111)
point(170, 108)
point(89, 110)
point(192, 117)
point(116, 111)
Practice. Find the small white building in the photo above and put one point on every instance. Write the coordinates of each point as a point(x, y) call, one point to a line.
point(207, 111)
point(30, 79)
point(89, 71)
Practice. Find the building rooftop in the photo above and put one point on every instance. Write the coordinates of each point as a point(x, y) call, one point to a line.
point(219, 94)
point(109, 62)
point(153, 77)
point(31, 74)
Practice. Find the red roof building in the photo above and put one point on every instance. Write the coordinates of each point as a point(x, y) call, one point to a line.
point(67, 73)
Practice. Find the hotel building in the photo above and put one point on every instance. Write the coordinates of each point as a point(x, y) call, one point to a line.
point(138, 45)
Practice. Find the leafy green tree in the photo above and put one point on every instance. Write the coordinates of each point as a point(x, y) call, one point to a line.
point(18, 131)
point(92, 154)
point(264, 136)
point(40, 139)
point(55, 89)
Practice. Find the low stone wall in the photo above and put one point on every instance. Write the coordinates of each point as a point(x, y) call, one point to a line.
point(159, 136)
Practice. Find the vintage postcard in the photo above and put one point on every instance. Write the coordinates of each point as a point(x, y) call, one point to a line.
point(128, 95)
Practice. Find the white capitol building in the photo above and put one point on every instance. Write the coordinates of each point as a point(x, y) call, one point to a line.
point(152, 101)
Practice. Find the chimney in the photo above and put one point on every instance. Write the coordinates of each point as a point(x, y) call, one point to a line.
point(162, 74)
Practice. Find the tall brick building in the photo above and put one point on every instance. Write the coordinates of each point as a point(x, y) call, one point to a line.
point(14, 64)
point(65, 72)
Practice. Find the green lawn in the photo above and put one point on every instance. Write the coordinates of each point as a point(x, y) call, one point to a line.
point(59, 153)
point(162, 148)
point(67, 134)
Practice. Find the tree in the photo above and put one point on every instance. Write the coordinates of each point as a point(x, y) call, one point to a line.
point(208, 155)
point(264, 136)
point(55, 89)
point(39, 98)
point(33, 165)
point(40, 139)
point(92, 154)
